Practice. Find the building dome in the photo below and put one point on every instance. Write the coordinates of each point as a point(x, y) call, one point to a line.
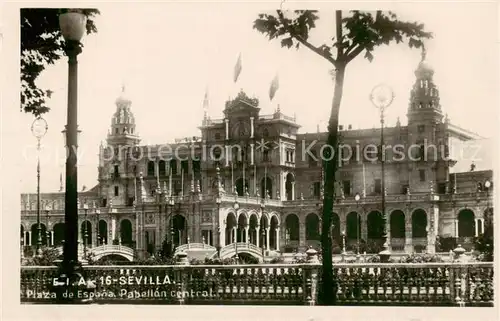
point(123, 99)
point(424, 69)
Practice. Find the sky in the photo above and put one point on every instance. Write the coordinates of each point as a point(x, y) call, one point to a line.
point(167, 56)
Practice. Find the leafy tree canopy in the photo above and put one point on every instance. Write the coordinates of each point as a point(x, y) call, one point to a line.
point(361, 32)
point(42, 45)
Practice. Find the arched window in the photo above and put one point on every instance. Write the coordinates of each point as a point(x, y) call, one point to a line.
point(151, 168)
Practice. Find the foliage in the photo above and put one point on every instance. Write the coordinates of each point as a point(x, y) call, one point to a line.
point(48, 257)
point(419, 248)
point(116, 242)
point(421, 258)
point(356, 32)
point(42, 45)
point(484, 245)
point(446, 244)
point(277, 260)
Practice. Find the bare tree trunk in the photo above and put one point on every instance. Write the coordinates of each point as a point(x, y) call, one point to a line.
point(328, 293)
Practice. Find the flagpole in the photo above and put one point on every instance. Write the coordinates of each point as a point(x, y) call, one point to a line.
point(265, 182)
point(182, 182)
point(170, 181)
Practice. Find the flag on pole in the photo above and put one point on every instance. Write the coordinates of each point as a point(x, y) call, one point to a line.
point(205, 104)
point(237, 68)
point(275, 84)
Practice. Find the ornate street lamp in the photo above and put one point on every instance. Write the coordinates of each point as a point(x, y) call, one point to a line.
point(97, 212)
point(382, 97)
point(73, 25)
point(171, 203)
point(357, 197)
point(218, 202)
point(343, 243)
point(85, 230)
point(47, 232)
point(39, 128)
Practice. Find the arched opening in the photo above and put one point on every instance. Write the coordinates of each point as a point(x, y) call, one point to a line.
point(375, 226)
point(312, 227)
point(419, 224)
point(22, 235)
point(266, 187)
point(264, 224)
point(126, 232)
point(253, 229)
point(113, 259)
point(180, 235)
point(230, 228)
point(58, 234)
point(34, 234)
point(240, 188)
point(86, 232)
point(398, 224)
point(335, 229)
point(273, 237)
point(292, 227)
point(241, 231)
point(289, 187)
point(151, 168)
point(161, 168)
point(353, 226)
point(103, 232)
point(466, 223)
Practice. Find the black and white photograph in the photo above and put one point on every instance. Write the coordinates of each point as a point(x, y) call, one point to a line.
point(238, 154)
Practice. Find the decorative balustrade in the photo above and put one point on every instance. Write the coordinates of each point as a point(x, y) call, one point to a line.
point(438, 284)
point(194, 246)
point(228, 250)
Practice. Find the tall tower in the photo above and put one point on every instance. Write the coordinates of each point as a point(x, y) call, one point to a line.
point(426, 130)
point(117, 170)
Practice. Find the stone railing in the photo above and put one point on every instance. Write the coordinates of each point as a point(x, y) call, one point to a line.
point(437, 284)
point(194, 246)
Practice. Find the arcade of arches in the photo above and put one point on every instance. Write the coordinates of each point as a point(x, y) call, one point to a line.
point(263, 232)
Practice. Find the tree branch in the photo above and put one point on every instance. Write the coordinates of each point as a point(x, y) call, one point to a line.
point(303, 41)
point(338, 23)
point(354, 53)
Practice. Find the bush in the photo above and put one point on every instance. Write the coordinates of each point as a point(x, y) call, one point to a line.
point(446, 244)
point(48, 257)
point(421, 258)
point(277, 260)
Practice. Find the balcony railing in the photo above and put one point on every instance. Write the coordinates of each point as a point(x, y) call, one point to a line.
point(437, 284)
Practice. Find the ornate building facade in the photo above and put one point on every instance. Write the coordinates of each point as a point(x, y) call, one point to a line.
point(255, 179)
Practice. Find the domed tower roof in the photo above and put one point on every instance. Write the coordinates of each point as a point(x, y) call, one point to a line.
point(424, 96)
point(123, 120)
point(424, 69)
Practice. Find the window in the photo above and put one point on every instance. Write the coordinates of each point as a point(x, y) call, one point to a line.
point(370, 152)
point(421, 128)
point(422, 174)
point(162, 168)
point(116, 170)
point(173, 166)
point(378, 186)
point(117, 190)
point(196, 166)
point(104, 202)
point(441, 188)
point(354, 155)
point(217, 136)
point(404, 188)
point(130, 201)
point(116, 131)
point(184, 166)
point(265, 132)
point(265, 156)
point(151, 168)
point(346, 187)
point(316, 189)
point(206, 237)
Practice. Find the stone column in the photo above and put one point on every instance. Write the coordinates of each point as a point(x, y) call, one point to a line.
point(476, 230)
point(277, 238)
point(31, 238)
point(251, 127)
point(113, 229)
point(235, 235)
point(408, 233)
point(293, 191)
point(267, 238)
point(226, 121)
point(258, 235)
point(364, 227)
point(302, 231)
point(456, 227)
point(246, 234)
point(51, 238)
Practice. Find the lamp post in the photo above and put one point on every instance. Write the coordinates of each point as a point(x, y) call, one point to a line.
point(97, 232)
point(357, 197)
point(343, 243)
point(487, 230)
point(218, 202)
point(171, 203)
point(382, 97)
point(47, 233)
point(72, 24)
point(85, 229)
point(159, 193)
point(39, 128)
